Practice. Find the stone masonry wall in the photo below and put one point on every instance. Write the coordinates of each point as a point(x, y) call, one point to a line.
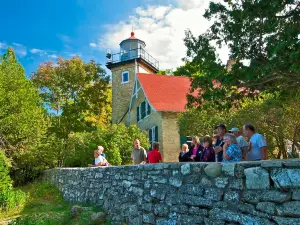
point(266, 192)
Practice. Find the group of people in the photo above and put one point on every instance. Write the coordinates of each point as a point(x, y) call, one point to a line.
point(225, 146)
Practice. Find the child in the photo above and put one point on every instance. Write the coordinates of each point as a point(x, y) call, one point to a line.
point(99, 159)
point(183, 157)
point(154, 156)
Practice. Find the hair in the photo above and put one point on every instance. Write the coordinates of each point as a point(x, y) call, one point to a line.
point(196, 138)
point(208, 139)
point(250, 127)
point(232, 138)
point(96, 151)
point(155, 145)
point(100, 148)
point(186, 147)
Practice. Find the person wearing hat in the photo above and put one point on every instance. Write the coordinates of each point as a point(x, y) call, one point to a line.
point(219, 142)
point(241, 140)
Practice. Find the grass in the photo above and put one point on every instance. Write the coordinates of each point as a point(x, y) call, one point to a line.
point(44, 206)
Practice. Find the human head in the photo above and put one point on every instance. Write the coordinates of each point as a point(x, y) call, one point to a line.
point(230, 139)
point(195, 140)
point(156, 145)
point(207, 141)
point(185, 148)
point(100, 150)
point(235, 131)
point(137, 144)
point(221, 130)
point(248, 130)
point(96, 154)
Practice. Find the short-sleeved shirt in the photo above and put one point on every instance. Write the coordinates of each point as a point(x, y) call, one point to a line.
point(220, 142)
point(139, 155)
point(99, 159)
point(234, 152)
point(242, 142)
point(154, 156)
point(257, 141)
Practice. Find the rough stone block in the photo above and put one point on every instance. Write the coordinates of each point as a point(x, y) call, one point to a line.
point(147, 207)
point(237, 184)
point(197, 211)
point(228, 168)
point(286, 178)
point(161, 210)
point(186, 169)
point(188, 219)
point(239, 171)
point(179, 209)
point(213, 170)
point(208, 221)
point(267, 207)
point(257, 178)
point(175, 181)
point(251, 196)
point(291, 209)
point(192, 189)
point(149, 218)
point(275, 196)
point(215, 194)
point(157, 194)
point(286, 221)
point(221, 182)
point(192, 201)
point(232, 196)
point(296, 195)
point(206, 182)
point(271, 164)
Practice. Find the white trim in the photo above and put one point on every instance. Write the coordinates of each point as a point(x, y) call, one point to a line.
point(145, 95)
point(125, 82)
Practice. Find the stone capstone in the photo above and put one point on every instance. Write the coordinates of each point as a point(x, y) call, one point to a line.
point(257, 178)
point(213, 170)
point(286, 178)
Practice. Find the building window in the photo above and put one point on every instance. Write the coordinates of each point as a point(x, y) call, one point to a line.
point(143, 110)
point(125, 77)
point(153, 134)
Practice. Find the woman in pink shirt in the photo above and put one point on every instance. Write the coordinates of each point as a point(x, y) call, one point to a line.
point(196, 150)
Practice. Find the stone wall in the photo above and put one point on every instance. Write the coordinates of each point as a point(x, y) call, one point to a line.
point(266, 192)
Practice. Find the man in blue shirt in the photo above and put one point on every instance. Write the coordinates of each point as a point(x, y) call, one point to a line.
point(258, 145)
point(219, 142)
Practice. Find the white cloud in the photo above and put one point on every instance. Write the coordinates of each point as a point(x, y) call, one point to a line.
point(53, 56)
point(93, 45)
point(38, 51)
point(20, 49)
point(3, 45)
point(162, 28)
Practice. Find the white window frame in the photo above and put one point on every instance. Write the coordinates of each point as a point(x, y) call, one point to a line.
point(125, 82)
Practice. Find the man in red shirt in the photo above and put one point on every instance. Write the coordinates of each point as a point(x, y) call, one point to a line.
point(154, 156)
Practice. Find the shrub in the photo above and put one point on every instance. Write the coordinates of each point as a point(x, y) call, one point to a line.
point(9, 198)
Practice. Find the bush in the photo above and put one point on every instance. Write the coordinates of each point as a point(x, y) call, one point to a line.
point(117, 141)
point(9, 198)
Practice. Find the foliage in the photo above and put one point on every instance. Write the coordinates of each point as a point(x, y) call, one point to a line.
point(265, 33)
point(78, 93)
point(9, 198)
point(22, 119)
point(117, 141)
point(168, 72)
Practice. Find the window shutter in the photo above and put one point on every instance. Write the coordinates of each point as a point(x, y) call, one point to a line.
point(138, 113)
point(150, 135)
point(156, 133)
point(148, 108)
point(143, 110)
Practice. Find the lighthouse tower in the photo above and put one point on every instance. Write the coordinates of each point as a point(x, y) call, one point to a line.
point(124, 66)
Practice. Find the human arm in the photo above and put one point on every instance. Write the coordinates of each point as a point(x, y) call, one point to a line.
point(264, 153)
point(225, 155)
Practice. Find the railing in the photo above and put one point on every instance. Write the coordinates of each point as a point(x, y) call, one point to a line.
point(132, 54)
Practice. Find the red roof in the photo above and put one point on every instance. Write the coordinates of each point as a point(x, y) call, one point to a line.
point(165, 93)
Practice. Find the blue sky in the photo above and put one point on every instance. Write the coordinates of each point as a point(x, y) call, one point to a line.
point(41, 30)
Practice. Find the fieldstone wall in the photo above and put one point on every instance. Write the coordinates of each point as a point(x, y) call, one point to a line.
point(266, 192)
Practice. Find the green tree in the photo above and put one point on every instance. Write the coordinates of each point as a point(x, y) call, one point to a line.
point(78, 92)
point(263, 32)
point(22, 118)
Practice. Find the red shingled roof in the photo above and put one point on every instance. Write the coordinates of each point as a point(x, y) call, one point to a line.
point(165, 93)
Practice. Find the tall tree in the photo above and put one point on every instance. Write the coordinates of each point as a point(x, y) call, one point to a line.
point(77, 94)
point(22, 117)
point(264, 33)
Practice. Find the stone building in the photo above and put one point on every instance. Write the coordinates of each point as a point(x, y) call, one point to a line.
point(142, 97)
